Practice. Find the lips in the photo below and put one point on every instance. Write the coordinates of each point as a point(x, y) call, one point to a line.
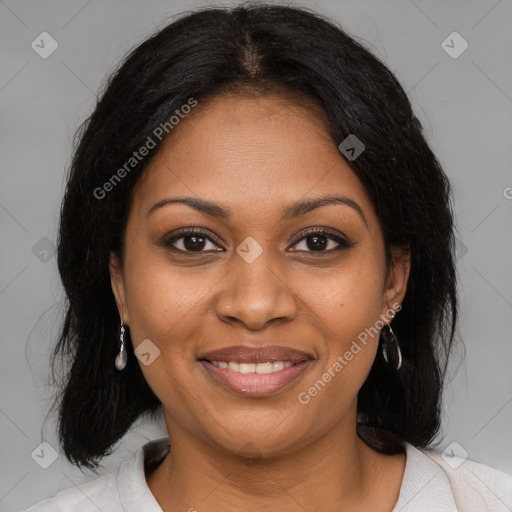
point(238, 368)
point(245, 354)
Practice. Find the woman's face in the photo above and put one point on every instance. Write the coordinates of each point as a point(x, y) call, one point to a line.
point(253, 278)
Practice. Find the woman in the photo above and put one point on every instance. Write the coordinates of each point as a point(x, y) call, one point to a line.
point(257, 240)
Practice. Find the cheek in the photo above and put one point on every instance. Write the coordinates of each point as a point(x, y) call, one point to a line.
point(350, 298)
point(163, 300)
point(351, 308)
point(164, 306)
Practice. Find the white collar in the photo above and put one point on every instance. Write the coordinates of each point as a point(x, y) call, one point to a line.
point(425, 486)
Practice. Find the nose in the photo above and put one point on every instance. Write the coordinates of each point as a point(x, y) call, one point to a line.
point(256, 294)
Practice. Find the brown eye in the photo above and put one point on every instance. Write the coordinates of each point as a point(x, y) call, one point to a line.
point(321, 240)
point(192, 240)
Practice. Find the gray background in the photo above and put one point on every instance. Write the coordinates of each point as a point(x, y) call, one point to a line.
point(464, 103)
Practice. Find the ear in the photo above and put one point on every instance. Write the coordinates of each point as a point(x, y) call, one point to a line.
point(396, 282)
point(117, 283)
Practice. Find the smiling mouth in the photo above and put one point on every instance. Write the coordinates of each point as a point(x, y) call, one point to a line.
point(249, 368)
point(255, 371)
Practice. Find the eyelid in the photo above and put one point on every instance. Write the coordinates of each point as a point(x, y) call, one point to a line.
point(181, 233)
point(342, 240)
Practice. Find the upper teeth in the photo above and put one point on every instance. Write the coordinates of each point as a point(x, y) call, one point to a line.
point(267, 367)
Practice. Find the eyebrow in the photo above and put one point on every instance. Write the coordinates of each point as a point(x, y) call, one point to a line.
point(292, 211)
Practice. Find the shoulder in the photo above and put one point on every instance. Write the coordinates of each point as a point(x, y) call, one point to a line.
point(98, 494)
point(475, 486)
point(122, 490)
point(451, 483)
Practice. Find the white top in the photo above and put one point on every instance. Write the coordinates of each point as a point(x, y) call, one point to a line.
point(430, 483)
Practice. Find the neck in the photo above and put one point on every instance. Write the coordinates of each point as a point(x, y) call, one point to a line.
point(337, 471)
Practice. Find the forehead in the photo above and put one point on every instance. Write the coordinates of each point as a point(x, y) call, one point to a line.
point(253, 154)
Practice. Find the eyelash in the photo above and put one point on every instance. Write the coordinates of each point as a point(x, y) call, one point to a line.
point(342, 243)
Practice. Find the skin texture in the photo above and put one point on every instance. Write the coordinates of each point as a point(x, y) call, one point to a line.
point(255, 156)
